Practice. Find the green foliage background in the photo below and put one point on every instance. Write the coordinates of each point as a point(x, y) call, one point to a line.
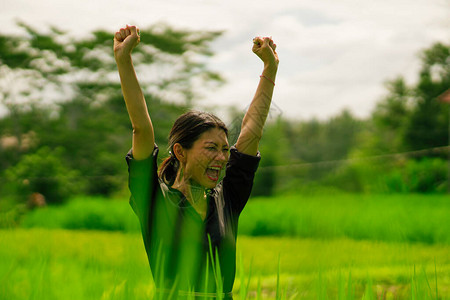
point(80, 137)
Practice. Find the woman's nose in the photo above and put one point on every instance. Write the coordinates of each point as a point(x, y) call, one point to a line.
point(222, 156)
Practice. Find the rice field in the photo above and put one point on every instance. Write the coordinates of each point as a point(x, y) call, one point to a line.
point(289, 247)
point(85, 264)
point(392, 218)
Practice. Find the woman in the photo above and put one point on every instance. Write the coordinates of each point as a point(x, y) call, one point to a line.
point(188, 218)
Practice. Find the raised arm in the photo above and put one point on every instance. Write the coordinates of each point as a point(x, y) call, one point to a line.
point(255, 117)
point(143, 136)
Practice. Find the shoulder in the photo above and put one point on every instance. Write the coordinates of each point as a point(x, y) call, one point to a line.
point(153, 156)
point(243, 161)
point(144, 170)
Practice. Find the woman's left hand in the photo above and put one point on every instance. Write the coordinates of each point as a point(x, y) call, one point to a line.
point(264, 48)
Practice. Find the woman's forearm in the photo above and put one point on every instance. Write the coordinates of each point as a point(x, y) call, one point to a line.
point(256, 115)
point(258, 110)
point(143, 135)
point(132, 94)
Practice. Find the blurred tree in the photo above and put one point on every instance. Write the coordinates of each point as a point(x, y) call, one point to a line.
point(407, 119)
point(331, 139)
point(341, 133)
point(294, 152)
point(44, 172)
point(274, 149)
point(308, 138)
point(62, 91)
point(428, 124)
point(390, 119)
point(411, 118)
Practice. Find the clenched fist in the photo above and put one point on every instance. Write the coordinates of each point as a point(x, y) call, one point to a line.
point(264, 48)
point(125, 40)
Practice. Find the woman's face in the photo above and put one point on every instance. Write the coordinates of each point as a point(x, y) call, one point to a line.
point(207, 157)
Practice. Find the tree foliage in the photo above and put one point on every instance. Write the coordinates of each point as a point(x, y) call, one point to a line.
point(391, 117)
point(66, 121)
point(44, 172)
point(411, 123)
point(61, 91)
point(428, 124)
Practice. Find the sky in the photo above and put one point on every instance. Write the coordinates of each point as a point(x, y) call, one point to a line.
point(334, 55)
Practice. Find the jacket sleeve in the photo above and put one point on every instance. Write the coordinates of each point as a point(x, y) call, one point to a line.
point(239, 176)
point(142, 182)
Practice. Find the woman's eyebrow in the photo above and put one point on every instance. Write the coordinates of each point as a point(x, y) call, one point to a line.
point(209, 142)
point(215, 144)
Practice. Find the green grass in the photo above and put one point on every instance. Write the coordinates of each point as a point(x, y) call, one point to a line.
point(396, 218)
point(306, 262)
point(329, 247)
point(85, 213)
point(70, 264)
point(61, 264)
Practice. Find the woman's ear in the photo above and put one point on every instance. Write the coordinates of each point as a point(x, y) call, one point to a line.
point(179, 152)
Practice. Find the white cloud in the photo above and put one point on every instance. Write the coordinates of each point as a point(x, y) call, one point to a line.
point(334, 54)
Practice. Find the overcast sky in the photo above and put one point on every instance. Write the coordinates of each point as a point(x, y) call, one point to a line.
point(333, 54)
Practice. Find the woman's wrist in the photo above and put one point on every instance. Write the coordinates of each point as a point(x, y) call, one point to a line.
point(122, 58)
point(270, 72)
point(271, 66)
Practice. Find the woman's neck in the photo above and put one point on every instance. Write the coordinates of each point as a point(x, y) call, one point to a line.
point(193, 192)
point(196, 196)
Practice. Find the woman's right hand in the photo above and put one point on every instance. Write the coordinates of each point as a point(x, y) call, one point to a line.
point(125, 40)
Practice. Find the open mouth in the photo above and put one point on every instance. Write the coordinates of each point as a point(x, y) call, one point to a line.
point(213, 173)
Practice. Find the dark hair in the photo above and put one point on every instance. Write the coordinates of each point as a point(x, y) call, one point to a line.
point(185, 131)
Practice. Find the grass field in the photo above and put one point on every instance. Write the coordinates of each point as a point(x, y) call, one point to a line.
point(329, 247)
point(396, 218)
point(69, 264)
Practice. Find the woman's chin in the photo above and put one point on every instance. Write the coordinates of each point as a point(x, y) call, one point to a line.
point(205, 184)
point(209, 185)
point(212, 182)
point(212, 186)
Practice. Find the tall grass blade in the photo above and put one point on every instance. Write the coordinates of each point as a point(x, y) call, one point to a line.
point(258, 289)
point(248, 280)
point(368, 294)
point(341, 288)
point(190, 295)
point(293, 296)
point(435, 276)
point(161, 277)
point(430, 293)
point(413, 289)
point(278, 295)
point(321, 287)
point(158, 273)
point(219, 278)
point(415, 283)
point(350, 290)
point(211, 253)
point(215, 264)
point(242, 291)
point(206, 278)
point(173, 290)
